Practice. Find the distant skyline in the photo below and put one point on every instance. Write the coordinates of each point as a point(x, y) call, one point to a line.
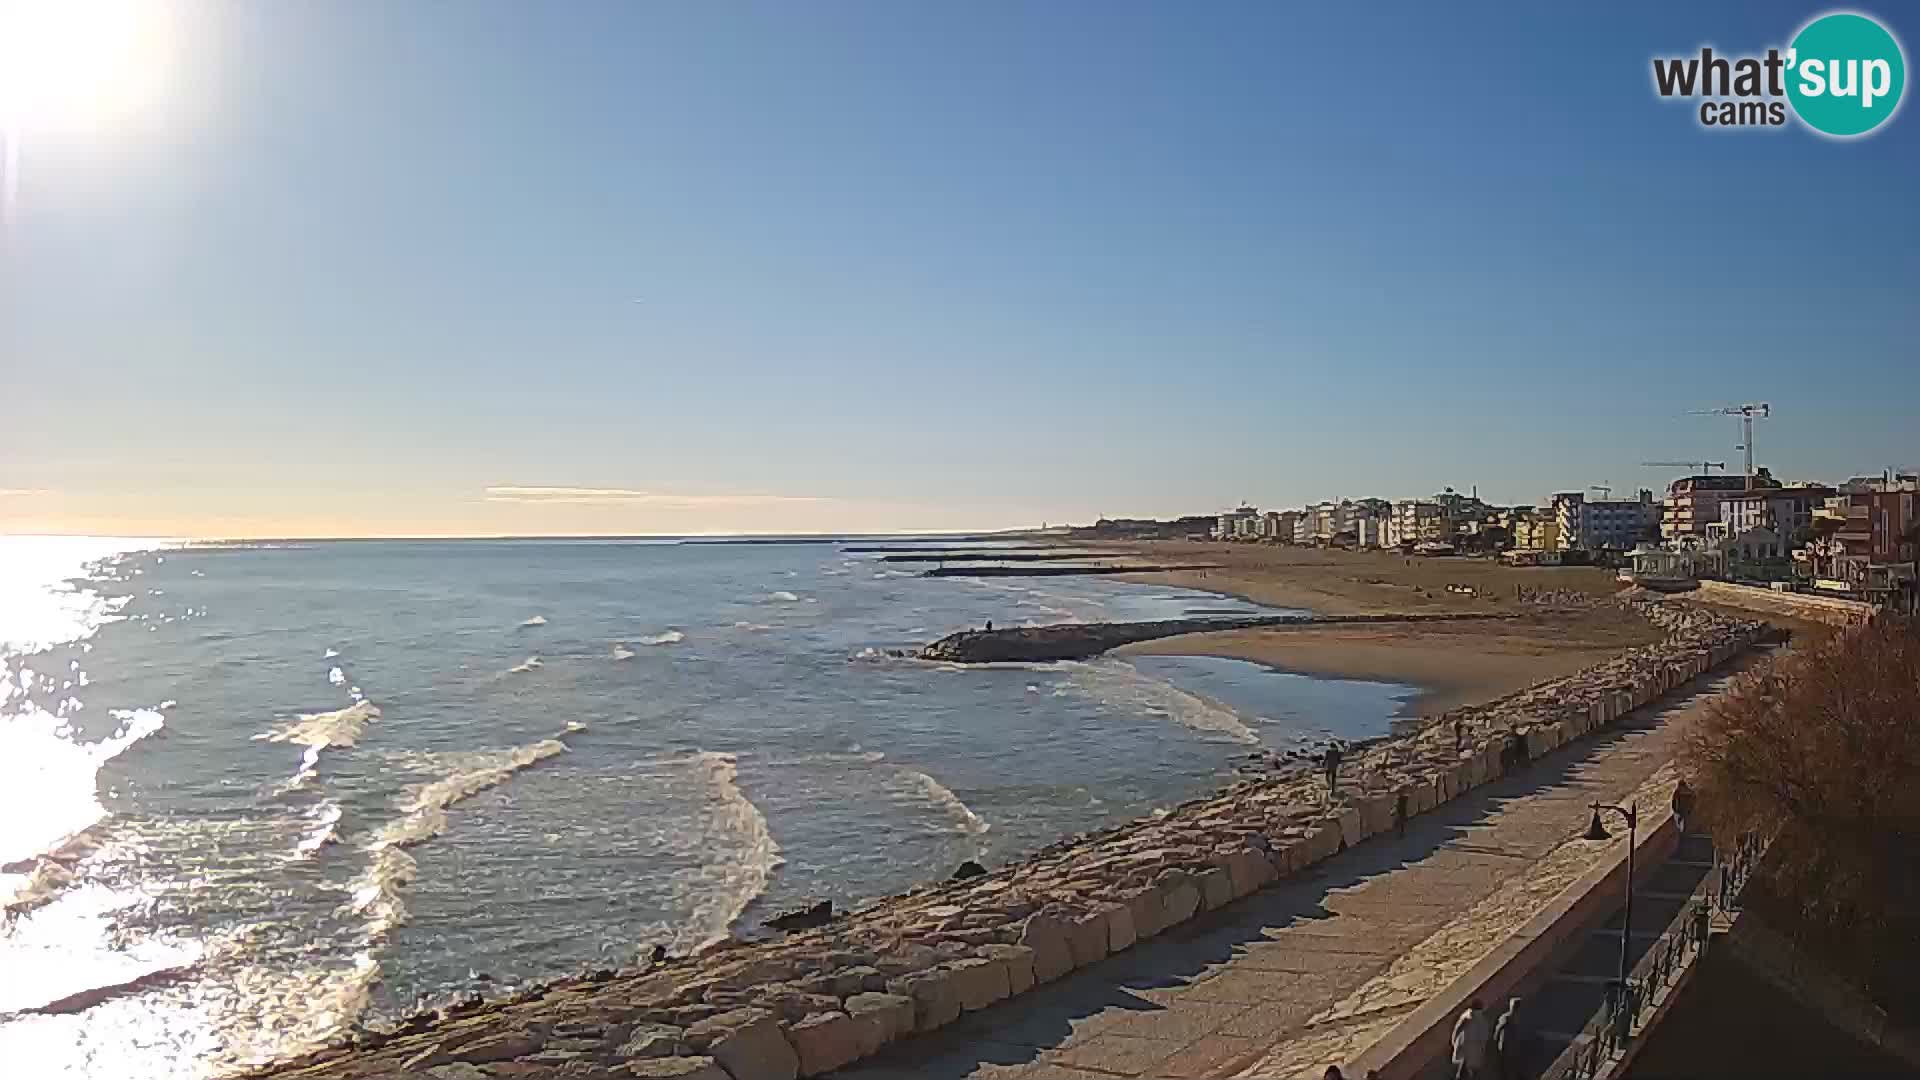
point(375, 269)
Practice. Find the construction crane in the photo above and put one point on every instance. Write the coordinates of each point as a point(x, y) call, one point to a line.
point(1706, 467)
point(1746, 413)
point(1605, 490)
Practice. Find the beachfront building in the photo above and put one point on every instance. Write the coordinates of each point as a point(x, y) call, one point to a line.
point(1416, 521)
point(1693, 502)
point(1369, 531)
point(1535, 532)
point(1279, 525)
point(1323, 521)
point(1788, 511)
point(1242, 523)
point(1869, 542)
point(1603, 524)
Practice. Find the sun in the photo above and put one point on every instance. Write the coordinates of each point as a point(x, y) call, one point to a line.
point(77, 66)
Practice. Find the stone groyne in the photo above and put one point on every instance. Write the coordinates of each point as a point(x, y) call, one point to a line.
point(1077, 641)
point(816, 1001)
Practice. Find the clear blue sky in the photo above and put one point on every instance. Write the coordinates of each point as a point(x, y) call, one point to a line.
point(932, 265)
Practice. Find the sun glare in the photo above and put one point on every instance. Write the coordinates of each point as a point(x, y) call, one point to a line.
point(77, 65)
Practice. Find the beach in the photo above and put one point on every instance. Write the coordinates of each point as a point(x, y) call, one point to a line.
point(1453, 663)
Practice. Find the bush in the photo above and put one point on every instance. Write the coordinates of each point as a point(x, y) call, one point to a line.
point(1821, 750)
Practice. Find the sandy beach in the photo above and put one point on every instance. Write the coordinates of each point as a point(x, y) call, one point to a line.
point(1453, 663)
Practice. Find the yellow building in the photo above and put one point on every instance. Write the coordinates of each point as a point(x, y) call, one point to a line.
point(1536, 534)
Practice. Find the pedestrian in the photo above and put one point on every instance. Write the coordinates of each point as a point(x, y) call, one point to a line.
point(989, 626)
point(1472, 1038)
point(1459, 734)
point(1683, 799)
point(1400, 814)
point(1331, 762)
point(1510, 1043)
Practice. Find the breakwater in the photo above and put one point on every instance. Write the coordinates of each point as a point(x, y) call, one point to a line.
point(818, 1000)
point(1077, 641)
point(1057, 571)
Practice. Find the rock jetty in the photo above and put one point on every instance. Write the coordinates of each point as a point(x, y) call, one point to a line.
point(1077, 641)
point(818, 1000)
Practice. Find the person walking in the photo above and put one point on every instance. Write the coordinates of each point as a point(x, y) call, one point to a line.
point(1683, 800)
point(1331, 762)
point(1472, 1039)
point(1510, 1044)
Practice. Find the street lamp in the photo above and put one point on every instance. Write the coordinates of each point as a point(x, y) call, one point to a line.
point(1597, 830)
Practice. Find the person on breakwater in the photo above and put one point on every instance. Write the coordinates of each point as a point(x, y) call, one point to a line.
point(1331, 763)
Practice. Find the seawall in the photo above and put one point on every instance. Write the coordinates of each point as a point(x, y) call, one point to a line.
point(1077, 641)
point(816, 1001)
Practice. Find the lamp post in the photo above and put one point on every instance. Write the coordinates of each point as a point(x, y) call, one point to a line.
point(1598, 831)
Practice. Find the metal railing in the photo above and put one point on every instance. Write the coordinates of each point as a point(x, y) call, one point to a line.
point(1613, 1025)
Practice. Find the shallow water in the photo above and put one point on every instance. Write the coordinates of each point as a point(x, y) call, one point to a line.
point(319, 780)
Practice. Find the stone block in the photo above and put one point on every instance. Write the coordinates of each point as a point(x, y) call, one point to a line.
point(1046, 935)
point(1149, 918)
point(655, 1040)
point(1378, 814)
point(1352, 826)
point(891, 1015)
point(1249, 871)
point(748, 1043)
point(826, 1041)
point(979, 981)
point(676, 1068)
point(936, 1003)
point(1463, 780)
point(1018, 960)
point(1120, 932)
point(1423, 796)
point(1216, 888)
point(1087, 938)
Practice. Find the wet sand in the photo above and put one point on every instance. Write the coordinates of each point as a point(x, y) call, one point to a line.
point(1453, 664)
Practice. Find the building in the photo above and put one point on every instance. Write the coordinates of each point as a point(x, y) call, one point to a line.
point(1369, 531)
point(1788, 511)
point(1239, 524)
point(1536, 532)
point(1603, 524)
point(1868, 540)
point(1279, 525)
point(1693, 502)
point(1416, 521)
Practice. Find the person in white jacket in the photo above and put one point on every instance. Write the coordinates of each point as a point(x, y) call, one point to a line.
point(1472, 1041)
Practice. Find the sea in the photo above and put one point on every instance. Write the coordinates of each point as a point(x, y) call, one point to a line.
point(253, 795)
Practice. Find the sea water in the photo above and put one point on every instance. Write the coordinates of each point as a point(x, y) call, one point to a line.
point(250, 795)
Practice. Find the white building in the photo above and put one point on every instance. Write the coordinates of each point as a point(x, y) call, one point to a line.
point(1415, 521)
point(1610, 524)
point(1237, 524)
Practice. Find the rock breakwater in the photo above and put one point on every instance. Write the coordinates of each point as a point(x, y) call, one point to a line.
point(819, 1000)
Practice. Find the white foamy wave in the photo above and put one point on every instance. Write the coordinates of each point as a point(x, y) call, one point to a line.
point(325, 818)
point(968, 822)
point(422, 816)
point(537, 620)
point(668, 637)
point(752, 627)
point(48, 785)
point(531, 663)
point(621, 652)
point(340, 727)
point(330, 654)
point(337, 677)
point(784, 597)
point(1118, 683)
point(720, 890)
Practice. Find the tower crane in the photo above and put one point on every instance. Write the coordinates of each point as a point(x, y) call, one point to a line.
point(1746, 413)
point(1605, 490)
point(1706, 467)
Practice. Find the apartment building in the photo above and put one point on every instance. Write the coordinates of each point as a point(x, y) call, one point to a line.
point(1693, 502)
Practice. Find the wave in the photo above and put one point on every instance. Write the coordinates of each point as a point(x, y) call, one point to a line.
point(537, 620)
point(719, 892)
point(668, 637)
point(621, 652)
point(330, 654)
point(337, 677)
point(49, 787)
point(423, 816)
point(531, 663)
point(752, 627)
point(325, 818)
point(318, 731)
point(784, 597)
point(968, 822)
point(1115, 682)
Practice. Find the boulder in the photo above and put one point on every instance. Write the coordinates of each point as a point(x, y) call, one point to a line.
point(805, 918)
point(936, 1002)
point(1216, 888)
point(826, 1041)
point(1018, 960)
point(1352, 827)
point(891, 1016)
point(1249, 871)
point(1120, 931)
point(748, 1043)
point(655, 1040)
point(1046, 935)
point(675, 1068)
point(968, 870)
point(979, 981)
point(1089, 938)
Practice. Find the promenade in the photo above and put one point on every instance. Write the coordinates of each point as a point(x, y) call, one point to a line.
point(1314, 970)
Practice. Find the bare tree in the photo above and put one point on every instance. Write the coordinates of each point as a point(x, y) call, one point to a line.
point(1821, 751)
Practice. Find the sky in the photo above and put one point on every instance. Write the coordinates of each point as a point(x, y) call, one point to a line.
point(365, 268)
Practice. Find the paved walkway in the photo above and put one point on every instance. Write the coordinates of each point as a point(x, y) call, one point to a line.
point(1312, 971)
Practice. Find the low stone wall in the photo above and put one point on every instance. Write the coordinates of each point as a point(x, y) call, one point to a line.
point(1826, 609)
point(1077, 641)
point(816, 1001)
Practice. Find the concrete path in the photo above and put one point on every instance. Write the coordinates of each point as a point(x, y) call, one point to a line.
point(1312, 971)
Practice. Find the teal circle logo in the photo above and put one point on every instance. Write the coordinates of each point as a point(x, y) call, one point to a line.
point(1845, 74)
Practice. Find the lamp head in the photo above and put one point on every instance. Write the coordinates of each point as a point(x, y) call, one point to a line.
point(1596, 830)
